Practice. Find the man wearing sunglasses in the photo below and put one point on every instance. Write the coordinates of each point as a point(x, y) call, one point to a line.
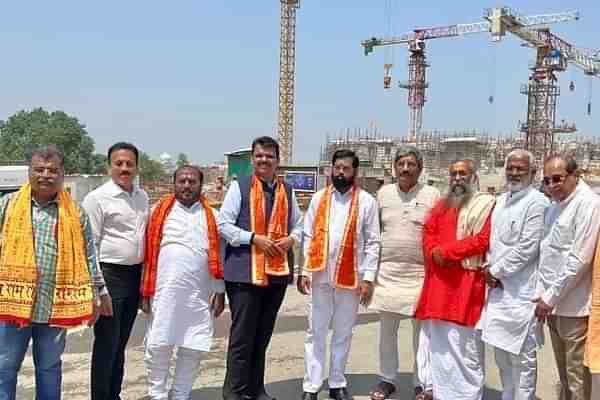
point(565, 273)
point(509, 324)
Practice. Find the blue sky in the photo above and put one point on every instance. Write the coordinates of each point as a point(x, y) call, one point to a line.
point(201, 76)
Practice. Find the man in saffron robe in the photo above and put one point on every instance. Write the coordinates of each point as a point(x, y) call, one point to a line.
point(182, 285)
point(341, 250)
point(455, 239)
point(260, 220)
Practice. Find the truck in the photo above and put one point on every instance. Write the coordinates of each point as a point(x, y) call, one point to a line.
point(12, 177)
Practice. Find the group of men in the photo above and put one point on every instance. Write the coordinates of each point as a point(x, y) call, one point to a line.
point(466, 268)
point(471, 269)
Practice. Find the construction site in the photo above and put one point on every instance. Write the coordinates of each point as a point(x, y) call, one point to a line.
point(540, 132)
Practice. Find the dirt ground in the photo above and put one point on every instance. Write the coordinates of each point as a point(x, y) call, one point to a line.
point(285, 361)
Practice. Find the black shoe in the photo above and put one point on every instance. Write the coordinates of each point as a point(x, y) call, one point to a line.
point(235, 396)
point(339, 394)
point(310, 396)
point(264, 396)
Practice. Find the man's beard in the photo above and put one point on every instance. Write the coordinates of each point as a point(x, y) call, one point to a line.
point(458, 195)
point(515, 187)
point(194, 197)
point(342, 184)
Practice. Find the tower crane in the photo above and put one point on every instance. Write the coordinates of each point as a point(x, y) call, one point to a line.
point(553, 55)
point(498, 21)
point(287, 70)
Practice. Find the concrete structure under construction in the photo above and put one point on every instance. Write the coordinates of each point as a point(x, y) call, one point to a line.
point(440, 149)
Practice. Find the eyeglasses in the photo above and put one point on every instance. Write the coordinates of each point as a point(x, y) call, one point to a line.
point(554, 179)
point(406, 164)
point(459, 174)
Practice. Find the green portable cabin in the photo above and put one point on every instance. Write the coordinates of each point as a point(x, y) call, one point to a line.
point(239, 163)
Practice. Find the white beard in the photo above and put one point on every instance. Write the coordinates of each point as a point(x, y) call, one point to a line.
point(515, 187)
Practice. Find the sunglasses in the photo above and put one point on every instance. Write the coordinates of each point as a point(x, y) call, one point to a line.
point(554, 179)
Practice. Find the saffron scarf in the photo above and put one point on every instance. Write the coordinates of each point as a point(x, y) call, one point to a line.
point(592, 343)
point(346, 269)
point(263, 265)
point(72, 303)
point(154, 233)
point(471, 219)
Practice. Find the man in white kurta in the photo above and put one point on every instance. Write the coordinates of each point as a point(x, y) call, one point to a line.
point(508, 324)
point(329, 304)
point(403, 207)
point(187, 297)
point(565, 284)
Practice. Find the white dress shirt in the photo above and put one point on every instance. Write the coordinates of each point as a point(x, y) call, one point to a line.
point(567, 251)
point(368, 234)
point(118, 220)
point(517, 230)
point(181, 305)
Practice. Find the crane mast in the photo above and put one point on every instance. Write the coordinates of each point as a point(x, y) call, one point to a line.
point(287, 69)
point(416, 85)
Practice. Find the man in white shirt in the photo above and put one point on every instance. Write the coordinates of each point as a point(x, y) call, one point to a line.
point(565, 284)
point(182, 286)
point(403, 207)
point(341, 249)
point(260, 220)
point(118, 211)
point(508, 323)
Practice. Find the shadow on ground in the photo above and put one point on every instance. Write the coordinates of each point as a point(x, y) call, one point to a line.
point(359, 385)
point(81, 342)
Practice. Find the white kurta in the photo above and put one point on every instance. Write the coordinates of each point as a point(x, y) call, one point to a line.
point(401, 268)
point(517, 229)
point(330, 306)
point(567, 252)
point(368, 236)
point(181, 308)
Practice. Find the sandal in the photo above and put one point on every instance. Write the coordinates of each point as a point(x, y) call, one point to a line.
point(382, 391)
point(420, 394)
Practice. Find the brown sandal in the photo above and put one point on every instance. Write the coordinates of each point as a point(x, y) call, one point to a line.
point(420, 394)
point(382, 391)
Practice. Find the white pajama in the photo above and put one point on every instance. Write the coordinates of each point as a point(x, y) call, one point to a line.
point(157, 360)
point(180, 311)
point(518, 372)
point(595, 386)
point(328, 305)
point(457, 361)
point(508, 323)
point(388, 350)
point(338, 308)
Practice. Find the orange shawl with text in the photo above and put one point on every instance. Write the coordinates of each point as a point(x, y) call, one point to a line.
point(592, 343)
point(72, 302)
point(262, 265)
point(346, 269)
point(154, 237)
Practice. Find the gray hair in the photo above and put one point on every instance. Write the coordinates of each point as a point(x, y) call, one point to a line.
point(570, 161)
point(406, 150)
point(46, 153)
point(522, 153)
point(469, 161)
